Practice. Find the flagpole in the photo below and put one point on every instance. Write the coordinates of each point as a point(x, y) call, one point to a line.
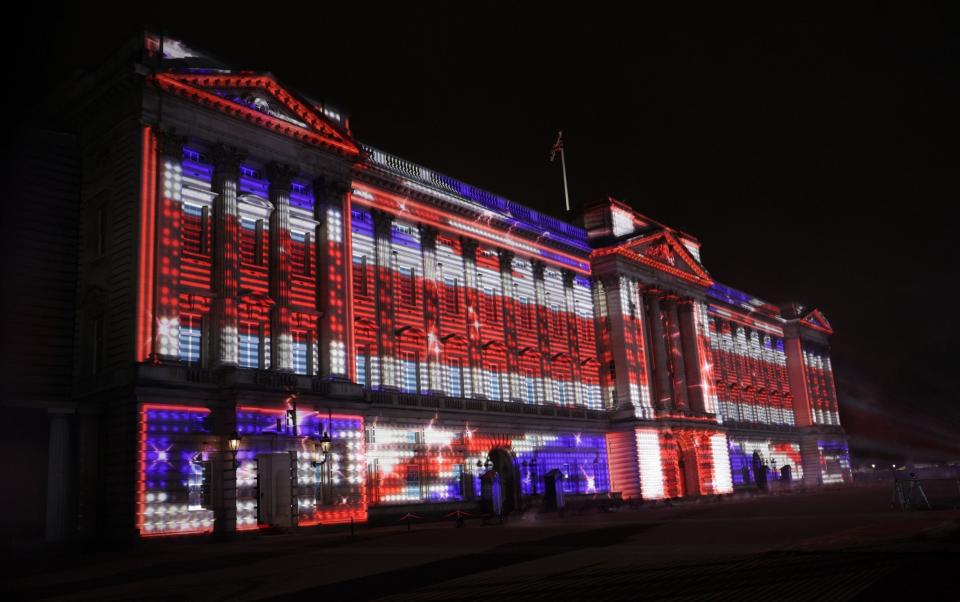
point(566, 193)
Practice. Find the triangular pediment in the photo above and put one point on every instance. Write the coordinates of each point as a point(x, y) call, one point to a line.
point(662, 250)
point(816, 320)
point(259, 99)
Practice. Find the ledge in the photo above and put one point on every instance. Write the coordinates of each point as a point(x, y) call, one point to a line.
point(439, 402)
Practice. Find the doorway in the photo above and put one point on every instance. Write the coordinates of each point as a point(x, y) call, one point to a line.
point(688, 471)
point(502, 461)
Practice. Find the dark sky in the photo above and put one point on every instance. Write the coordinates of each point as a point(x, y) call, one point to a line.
point(814, 152)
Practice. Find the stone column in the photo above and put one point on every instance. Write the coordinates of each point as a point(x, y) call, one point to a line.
point(166, 340)
point(334, 285)
point(474, 354)
point(696, 387)
point(431, 308)
point(386, 333)
point(831, 389)
point(573, 343)
point(543, 327)
point(664, 399)
point(677, 357)
point(226, 268)
point(281, 338)
point(224, 471)
point(510, 325)
point(59, 477)
point(796, 371)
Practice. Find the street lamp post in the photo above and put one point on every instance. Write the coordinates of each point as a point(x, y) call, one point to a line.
point(233, 445)
point(325, 444)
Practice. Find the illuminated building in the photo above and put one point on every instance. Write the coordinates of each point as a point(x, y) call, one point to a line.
point(266, 280)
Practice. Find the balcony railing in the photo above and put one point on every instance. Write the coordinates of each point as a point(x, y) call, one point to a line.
point(173, 373)
point(536, 221)
point(434, 402)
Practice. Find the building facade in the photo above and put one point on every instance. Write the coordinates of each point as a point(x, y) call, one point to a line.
point(278, 325)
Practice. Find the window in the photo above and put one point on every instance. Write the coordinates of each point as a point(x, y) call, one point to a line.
point(190, 333)
point(455, 378)
point(458, 478)
point(299, 253)
point(407, 286)
point(564, 391)
point(360, 275)
point(591, 395)
point(249, 346)
point(301, 355)
point(493, 382)
point(451, 295)
point(413, 482)
point(530, 386)
point(526, 313)
point(199, 491)
point(489, 304)
point(192, 226)
point(557, 319)
point(363, 365)
point(249, 240)
point(410, 372)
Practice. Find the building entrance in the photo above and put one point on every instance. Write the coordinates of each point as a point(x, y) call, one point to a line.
point(503, 463)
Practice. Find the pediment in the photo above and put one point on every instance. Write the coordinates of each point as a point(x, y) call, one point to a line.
point(259, 99)
point(816, 320)
point(663, 251)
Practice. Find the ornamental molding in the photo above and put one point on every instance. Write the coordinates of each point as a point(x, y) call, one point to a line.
point(260, 100)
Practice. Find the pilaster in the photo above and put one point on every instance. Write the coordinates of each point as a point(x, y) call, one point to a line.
point(226, 269)
point(281, 338)
point(573, 341)
point(431, 308)
point(166, 329)
point(59, 476)
point(510, 325)
point(543, 327)
point(386, 334)
point(331, 211)
point(471, 301)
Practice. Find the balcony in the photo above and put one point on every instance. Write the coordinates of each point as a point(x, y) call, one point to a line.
point(440, 402)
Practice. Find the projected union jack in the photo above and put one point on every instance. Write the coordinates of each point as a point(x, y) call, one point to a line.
point(324, 331)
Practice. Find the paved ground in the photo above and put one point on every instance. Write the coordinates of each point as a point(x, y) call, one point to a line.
point(835, 545)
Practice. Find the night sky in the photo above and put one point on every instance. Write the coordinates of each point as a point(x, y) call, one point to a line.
point(814, 153)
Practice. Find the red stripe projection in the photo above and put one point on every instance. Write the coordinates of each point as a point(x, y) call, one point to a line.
point(325, 137)
point(146, 275)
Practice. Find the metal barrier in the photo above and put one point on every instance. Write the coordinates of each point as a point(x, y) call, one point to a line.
point(925, 494)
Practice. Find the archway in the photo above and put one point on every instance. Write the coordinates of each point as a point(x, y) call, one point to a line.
point(502, 461)
point(689, 472)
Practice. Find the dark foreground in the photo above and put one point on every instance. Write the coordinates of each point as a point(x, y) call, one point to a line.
point(838, 544)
